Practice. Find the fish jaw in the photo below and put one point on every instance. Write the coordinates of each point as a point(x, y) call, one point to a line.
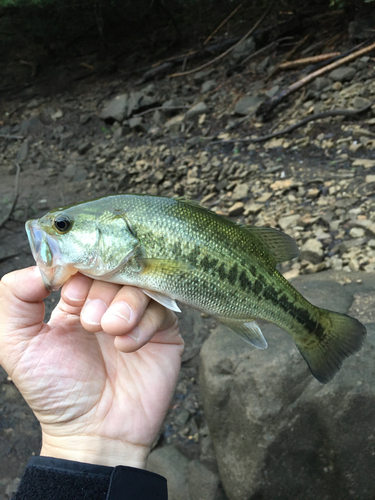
point(47, 255)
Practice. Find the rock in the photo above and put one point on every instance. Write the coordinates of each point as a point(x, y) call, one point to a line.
point(252, 208)
point(182, 417)
point(342, 74)
point(75, 173)
point(57, 114)
point(346, 245)
point(203, 483)
point(272, 91)
point(11, 486)
point(208, 86)
point(276, 142)
point(236, 209)
point(138, 101)
point(337, 86)
point(243, 50)
point(201, 76)
point(120, 132)
point(23, 151)
point(158, 117)
point(31, 126)
point(136, 123)
point(357, 232)
point(363, 162)
point(84, 147)
point(240, 192)
point(248, 104)
point(277, 432)
point(116, 109)
point(174, 124)
point(196, 110)
point(360, 102)
point(84, 118)
point(170, 463)
point(312, 251)
point(288, 221)
point(282, 184)
point(264, 65)
point(321, 82)
point(169, 107)
point(149, 89)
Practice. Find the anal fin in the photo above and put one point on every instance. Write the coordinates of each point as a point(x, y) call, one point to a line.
point(249, 331)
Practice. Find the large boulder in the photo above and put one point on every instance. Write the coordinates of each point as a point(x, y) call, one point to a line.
point(277, 432)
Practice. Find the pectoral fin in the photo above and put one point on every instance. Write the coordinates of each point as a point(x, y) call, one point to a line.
point(163, 300)
point(249, 331)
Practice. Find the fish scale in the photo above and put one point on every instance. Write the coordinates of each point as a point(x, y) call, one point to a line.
point(177, 250)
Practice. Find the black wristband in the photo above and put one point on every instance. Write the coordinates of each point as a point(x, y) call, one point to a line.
point(48, 478)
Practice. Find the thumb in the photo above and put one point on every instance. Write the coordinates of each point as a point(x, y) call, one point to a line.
point(21, 304)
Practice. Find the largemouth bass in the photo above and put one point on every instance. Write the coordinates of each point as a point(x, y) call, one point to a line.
point(177, 250)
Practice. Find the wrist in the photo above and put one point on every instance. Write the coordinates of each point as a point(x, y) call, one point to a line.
point(95, 450)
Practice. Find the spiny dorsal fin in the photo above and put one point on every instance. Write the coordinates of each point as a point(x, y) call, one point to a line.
point(281, 246)
point(187, 201)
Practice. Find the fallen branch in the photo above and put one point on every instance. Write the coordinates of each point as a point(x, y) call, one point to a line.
point(266, 107)
point(158, 69)
point(11, 136)
point(162, 108)
point(307, 60)
point(324, 114)
point(270, 46)
point(322, 64)
point(223, 23)
point(224, 54)
point(289, 55)
point(15, 198)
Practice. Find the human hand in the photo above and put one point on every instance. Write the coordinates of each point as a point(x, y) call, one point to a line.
point(99, 385)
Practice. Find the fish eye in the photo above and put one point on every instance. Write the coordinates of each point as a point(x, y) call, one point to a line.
point(62, 224)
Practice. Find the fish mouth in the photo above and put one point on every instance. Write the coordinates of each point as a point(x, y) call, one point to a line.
point(47, 255)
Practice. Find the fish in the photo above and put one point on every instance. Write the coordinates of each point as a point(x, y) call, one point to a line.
point(176, 250)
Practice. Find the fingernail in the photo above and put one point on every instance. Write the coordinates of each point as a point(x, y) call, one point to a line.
point(136, 334)
point(74, 293)
point(122, 310)
point(93, 311)
point(37, 272)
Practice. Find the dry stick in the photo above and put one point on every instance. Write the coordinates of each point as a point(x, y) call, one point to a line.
point(162, 108)
point(289, 55)
point(223, 23)
point(260, 51)
point(264, 49)
point(221, 56)
point(266, 107)
point(324, 114)
point(6, 218)
point(307, 60)
point(11, 136)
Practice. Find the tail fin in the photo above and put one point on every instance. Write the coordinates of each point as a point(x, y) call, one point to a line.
point(343, 336)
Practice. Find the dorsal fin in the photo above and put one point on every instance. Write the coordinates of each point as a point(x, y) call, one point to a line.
point(281, 246)
point(183, 199)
